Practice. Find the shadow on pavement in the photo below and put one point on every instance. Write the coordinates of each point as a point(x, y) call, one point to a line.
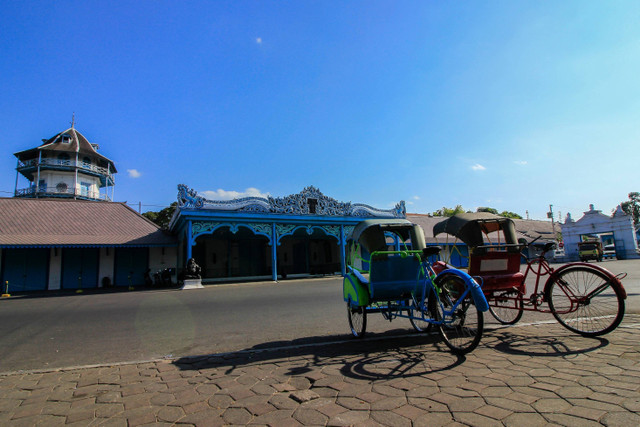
point(392, 354)
point(547, 346)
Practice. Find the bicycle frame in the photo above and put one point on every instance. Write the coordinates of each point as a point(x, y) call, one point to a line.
point(425, 279)
point(535, 301)
point(428, 281)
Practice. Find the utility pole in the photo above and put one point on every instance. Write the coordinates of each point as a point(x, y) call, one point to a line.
point(553, 227)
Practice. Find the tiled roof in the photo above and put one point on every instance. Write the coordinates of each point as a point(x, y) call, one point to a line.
point(53, 222)
point(525, 228)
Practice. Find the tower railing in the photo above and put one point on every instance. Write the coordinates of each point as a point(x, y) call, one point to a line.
point(64, 163)
point(59, 192)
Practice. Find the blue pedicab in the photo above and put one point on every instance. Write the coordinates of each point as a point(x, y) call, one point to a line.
point(403, 283)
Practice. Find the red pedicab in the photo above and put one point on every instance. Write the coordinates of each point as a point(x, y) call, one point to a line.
point(584, 298)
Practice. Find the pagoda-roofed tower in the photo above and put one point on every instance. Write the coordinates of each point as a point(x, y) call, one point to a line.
point(68, 166)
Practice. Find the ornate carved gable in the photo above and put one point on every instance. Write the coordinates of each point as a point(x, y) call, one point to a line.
point(310, 201)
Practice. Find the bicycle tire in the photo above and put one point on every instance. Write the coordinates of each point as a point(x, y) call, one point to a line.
point(463, 332)
point(504, 308)
point(418, 324)
point(357, 320)
point(595, 306)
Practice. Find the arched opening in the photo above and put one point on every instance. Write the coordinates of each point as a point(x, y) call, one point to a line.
point(226, 255)
point(303, 254)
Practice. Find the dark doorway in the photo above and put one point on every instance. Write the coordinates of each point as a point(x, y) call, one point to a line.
point(25, 269)
point(130, 266)
point(80, 268)
point(233, 255)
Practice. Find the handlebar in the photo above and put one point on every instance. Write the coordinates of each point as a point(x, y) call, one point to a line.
point(533, 241)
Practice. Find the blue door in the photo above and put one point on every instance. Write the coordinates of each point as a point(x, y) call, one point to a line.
point(25, 269)
point(130, 266)
point(80, 268)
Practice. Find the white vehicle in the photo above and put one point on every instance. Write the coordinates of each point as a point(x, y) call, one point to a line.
point(609, 251)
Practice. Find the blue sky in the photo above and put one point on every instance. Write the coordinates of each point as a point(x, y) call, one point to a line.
point(509, 104)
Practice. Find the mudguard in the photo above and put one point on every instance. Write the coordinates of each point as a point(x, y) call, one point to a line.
point(355, 291)
point(474, 288)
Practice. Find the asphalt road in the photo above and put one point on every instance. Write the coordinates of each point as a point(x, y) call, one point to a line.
point(73, 330)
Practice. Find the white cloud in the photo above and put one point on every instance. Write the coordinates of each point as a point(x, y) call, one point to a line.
point(520, 162)
point(416, 197)
point(259, 40)
point(478, 167)
point(134, 173)
point(221, 194)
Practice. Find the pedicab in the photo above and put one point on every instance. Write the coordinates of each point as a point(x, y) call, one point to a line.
point(389, 273)
point(585, 298)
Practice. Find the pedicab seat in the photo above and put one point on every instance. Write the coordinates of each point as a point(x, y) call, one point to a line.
point(393, 276)
point(498, 265)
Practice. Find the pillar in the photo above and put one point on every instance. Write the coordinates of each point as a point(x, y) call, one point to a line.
point(189, 241)
point(343, 268)
point(274, 253)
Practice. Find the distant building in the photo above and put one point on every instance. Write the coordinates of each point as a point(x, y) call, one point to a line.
point(62, 231)
point(617, 228)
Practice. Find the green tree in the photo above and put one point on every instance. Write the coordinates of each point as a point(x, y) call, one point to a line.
point(509, 214)
point(506, 214)
point(459, 209)
point(632, 207)
point(163, 217)
point(448, 211)
point(489, 210)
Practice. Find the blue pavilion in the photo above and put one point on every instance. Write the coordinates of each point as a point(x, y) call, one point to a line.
point(260, 238)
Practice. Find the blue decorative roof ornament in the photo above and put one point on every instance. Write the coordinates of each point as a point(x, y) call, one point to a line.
point(310, 201)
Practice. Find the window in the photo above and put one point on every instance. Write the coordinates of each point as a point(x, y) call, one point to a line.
point(66, 138)
point(84, 189)
point(312, 205)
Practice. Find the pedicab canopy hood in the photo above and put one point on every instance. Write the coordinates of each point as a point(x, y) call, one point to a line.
point(469, 227)
point(370, 233)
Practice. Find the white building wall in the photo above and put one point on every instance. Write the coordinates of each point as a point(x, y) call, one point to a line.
point(106, 265)
point(161, 258)
point(55, 268)
point(594, 222)
point(53, 178)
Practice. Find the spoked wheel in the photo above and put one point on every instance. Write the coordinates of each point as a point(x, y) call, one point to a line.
point(418, 324)
point(586, 301)
point(462, 330)
point(357, 320)
point(506, 306)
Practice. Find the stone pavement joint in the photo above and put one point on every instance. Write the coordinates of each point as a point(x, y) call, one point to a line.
point(526, 375)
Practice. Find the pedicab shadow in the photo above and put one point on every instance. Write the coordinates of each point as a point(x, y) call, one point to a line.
point(561, 345)
point(388, 355)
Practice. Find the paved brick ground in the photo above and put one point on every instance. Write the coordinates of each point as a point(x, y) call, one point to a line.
point(519, 376)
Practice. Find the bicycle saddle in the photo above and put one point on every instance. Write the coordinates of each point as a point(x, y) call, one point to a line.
point(545, 247)
point(431, 250)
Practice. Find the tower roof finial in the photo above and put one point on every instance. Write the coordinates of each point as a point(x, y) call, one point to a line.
point(73, 120)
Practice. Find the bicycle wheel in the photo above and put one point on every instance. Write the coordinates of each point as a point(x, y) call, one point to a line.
point(357, 320)
point(506, 306)
point(586, 301)
point(418, 324)
point(462, 330)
